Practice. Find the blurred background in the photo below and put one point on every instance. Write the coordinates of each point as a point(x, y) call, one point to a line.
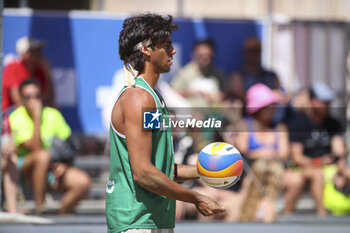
point(302, 41)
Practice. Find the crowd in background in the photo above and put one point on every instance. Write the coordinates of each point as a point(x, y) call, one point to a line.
point(291, 144)
point(37, 144)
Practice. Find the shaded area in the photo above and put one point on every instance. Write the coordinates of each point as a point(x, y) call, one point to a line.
point(97, 224)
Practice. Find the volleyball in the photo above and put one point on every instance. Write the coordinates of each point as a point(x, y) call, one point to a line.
point(219, 165)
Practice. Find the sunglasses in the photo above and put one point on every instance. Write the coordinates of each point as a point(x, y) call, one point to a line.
point(28, 97)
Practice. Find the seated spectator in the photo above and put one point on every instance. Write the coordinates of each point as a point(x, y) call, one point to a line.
point(259, 139)
point(336, 195)
point(252, 71)
point(35, 128)
point(316, 140)
point(261, 192)
point(8, 166)
point(200, 82)
point(30, 64)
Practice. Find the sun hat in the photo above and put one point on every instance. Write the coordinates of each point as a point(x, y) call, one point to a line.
point(24, 44)
point(259, 96)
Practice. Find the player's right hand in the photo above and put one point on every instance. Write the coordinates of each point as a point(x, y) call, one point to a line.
point(208, 206)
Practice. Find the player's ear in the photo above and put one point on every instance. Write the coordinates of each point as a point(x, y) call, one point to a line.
point(146, 50)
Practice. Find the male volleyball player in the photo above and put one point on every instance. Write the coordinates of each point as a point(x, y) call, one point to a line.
point(141, 190)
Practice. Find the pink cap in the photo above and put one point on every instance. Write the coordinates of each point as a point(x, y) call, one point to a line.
point(259, 96)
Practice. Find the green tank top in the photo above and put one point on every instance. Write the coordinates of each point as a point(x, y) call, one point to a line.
point(128, 205)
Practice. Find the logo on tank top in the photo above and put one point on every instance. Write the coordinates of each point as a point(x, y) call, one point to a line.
point(110, 186)
point(151, 120)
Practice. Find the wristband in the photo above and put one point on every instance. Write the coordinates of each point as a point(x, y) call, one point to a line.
point(175, 170)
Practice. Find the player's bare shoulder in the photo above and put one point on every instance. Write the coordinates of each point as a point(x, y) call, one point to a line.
point(130, 106)
point(135, 98)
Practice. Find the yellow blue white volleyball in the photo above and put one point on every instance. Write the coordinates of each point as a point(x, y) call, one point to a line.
point(219, 165)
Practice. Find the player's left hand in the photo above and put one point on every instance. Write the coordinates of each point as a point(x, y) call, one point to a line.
point(208, 206)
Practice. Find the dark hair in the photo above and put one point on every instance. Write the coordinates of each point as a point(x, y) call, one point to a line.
point(207, 41)
point(29, 81)
point(139, 28)
point(312, 93)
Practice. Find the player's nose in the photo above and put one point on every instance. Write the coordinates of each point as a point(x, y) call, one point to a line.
point(173, 51)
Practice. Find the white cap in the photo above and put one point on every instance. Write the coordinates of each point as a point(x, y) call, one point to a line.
point(323, 92)
point(24, 44)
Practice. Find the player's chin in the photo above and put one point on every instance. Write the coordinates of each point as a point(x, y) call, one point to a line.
point(166, 69)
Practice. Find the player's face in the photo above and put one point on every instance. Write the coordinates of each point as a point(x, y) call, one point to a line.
point(162, 56)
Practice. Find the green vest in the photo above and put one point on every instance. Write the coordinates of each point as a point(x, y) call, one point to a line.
point(129, 205)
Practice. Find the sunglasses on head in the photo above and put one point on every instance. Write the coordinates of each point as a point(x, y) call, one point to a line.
point(28, 97)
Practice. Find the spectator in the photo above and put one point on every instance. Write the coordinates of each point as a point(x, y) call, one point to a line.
point(259, 139)
point(31, 63)
point(261, 192)
point(8, 166)
point(336, 195)
point(35, 127)
point(316, 140)
point(200, 81)
point(252, 71)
